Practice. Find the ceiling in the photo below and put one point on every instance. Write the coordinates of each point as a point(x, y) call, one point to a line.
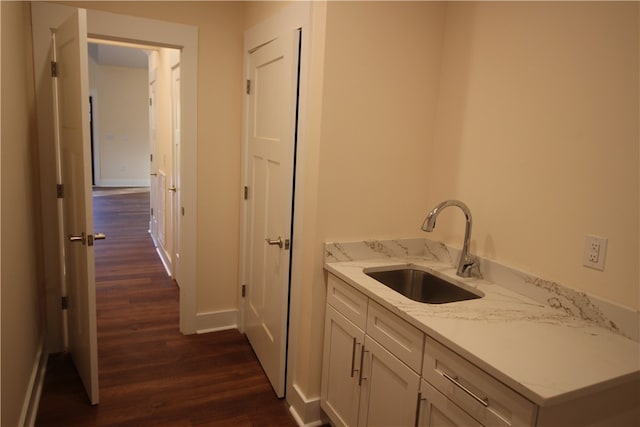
point(118, 56)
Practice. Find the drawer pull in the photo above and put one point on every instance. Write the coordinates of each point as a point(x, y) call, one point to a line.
point(361, 365)
point(482, 400)
point(353, 358)
point(419, 402)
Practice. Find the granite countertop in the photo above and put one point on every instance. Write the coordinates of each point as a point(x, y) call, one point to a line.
point(547, 355)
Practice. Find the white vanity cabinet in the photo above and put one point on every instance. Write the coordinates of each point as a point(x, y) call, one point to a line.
point(365, 383)
point(392, 361)
point(379, 370)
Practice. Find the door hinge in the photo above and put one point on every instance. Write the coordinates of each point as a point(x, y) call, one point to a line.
point(54, 69)
point(151, 211)
point(150, 102)
point(59, 191)
point(64, 303)
point(244, 290)
point(246, 192)
point(248, 87)
point(151, 157)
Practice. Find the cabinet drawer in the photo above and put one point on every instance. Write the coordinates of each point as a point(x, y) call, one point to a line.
point(348, 301)
point(478, 393)
point(396, 335)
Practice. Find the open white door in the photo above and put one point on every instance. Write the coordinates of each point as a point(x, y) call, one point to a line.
point(175, 188)
point(153, 159)
point(271, 127)
point(71, 87)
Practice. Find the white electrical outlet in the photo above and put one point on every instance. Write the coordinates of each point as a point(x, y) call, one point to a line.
point(595, 249)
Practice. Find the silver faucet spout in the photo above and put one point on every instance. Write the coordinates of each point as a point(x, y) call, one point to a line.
point(467, 261)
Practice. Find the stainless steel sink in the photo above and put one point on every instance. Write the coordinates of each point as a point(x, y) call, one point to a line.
point(422, 286)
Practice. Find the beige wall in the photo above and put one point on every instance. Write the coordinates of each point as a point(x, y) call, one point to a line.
point(537, 131)
point(22, 281)
point(527, 112)
point(379, 91)
point(121, 130)
point(256, 12)
point(379, 102)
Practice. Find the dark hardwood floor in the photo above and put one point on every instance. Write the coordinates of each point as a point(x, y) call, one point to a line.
point(150, 374)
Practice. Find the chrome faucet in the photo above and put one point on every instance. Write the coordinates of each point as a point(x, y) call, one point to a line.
point(467, 261)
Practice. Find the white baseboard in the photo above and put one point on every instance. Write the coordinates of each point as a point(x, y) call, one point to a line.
point(164, 257)
point(214, 321)
point(305, 411)
point(34, 391)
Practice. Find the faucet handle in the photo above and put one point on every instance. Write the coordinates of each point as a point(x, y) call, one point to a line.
point(471, 267)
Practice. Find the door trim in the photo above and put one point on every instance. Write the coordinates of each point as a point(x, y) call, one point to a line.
point(110, 26)
point(184, 37)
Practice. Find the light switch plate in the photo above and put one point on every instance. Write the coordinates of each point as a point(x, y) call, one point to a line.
point(595, 250)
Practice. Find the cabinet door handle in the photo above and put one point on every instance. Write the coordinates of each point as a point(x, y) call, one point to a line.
point(361, 364)
point(353, 358)
point(482, 400)
point(420, 399)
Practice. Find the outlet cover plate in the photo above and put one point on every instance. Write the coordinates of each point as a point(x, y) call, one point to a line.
point(595, 250)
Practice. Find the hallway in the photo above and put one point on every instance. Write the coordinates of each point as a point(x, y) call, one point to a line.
point(151, 374)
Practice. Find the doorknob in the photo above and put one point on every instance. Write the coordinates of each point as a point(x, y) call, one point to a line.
point(173, 188)
point(97, 236)
point(78, 238)
point(279, 242)
point(86, 240)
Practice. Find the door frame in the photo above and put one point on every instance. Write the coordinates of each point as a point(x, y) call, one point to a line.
point(294, 17)
point(110, 26)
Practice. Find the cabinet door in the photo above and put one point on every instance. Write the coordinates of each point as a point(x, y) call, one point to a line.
point(437, 411)
point(389, 389)
point(340, 369)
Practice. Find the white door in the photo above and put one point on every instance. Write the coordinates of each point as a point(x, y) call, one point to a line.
point(271, 128)
point(175, 173)
point(72, 95)
point(153, 159)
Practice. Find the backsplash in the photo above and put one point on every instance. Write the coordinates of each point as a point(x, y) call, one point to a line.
point(610, 316)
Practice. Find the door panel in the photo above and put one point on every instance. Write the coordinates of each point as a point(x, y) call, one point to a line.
point(72, 126)
point(271, 149)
